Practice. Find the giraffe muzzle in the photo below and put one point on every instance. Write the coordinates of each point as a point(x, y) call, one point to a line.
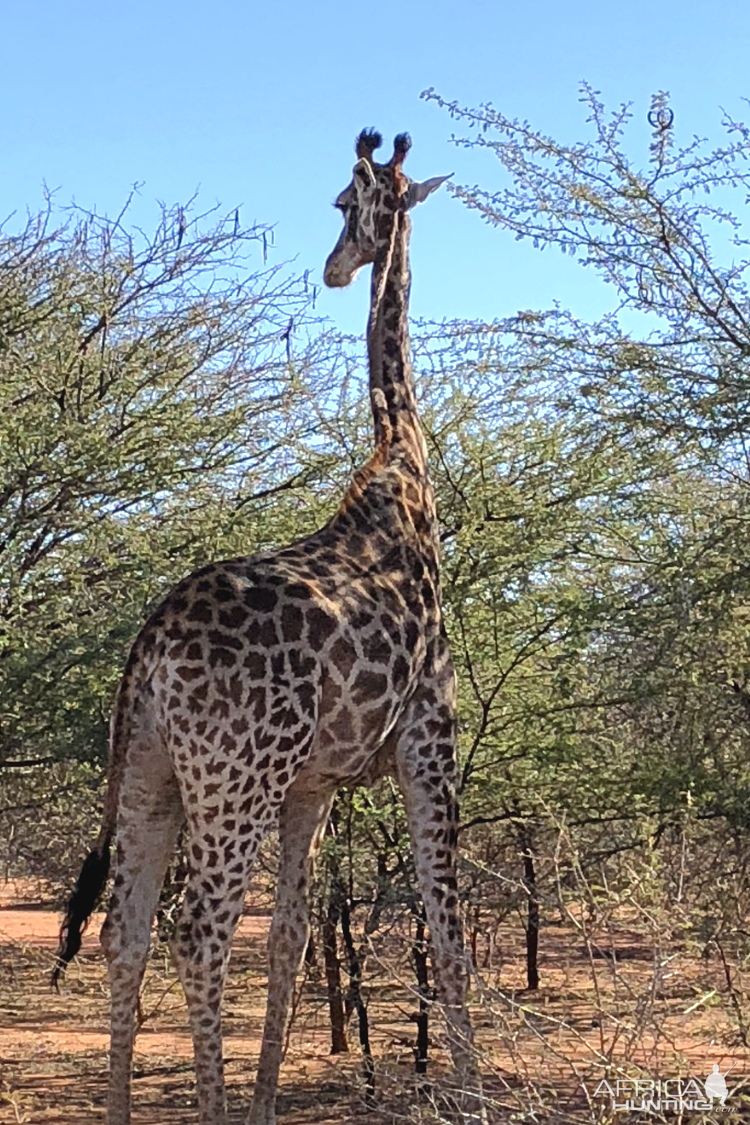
point(342, 266)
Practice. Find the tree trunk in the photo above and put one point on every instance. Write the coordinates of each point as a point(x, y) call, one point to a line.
point(311, 956)
point(355, 987)
point(532, 926)
point(339, 1045)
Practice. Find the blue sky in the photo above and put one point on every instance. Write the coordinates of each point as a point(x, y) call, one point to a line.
point(258, 105)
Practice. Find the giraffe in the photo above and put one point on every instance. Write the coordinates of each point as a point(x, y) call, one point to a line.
point(262, 685)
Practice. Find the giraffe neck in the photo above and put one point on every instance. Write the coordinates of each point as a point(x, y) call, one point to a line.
point(388, 348)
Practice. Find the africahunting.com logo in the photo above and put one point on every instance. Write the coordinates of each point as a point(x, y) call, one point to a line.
point(654, 1095)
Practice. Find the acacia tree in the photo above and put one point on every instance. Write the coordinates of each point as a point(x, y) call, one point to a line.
point(144, 390)
point(146, 425)
point(668, 238)
point(623, 711)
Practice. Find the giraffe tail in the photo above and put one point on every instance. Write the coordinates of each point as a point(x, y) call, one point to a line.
point(90, 884)
point(95, 871)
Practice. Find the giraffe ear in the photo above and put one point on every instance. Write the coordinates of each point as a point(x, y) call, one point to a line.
point(417, 193)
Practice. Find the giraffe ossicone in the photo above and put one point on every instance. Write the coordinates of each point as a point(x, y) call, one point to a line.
point(263, 684)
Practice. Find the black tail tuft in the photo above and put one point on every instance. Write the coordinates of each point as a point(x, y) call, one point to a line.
point(91, 883)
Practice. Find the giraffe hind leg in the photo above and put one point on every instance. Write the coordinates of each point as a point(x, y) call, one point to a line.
point(217, 880)
point(149, 819)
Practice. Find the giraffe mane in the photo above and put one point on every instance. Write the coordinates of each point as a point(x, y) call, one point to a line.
point(379, 458)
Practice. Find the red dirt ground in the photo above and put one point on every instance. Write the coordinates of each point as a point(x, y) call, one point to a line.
point(593, 1013)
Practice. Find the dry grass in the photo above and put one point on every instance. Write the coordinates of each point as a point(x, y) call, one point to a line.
point(616, 998)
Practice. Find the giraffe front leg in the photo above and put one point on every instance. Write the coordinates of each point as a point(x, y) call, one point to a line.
point(426, 768)
point(301, 827)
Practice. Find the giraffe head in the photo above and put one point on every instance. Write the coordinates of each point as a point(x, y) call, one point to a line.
point(368, 205)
